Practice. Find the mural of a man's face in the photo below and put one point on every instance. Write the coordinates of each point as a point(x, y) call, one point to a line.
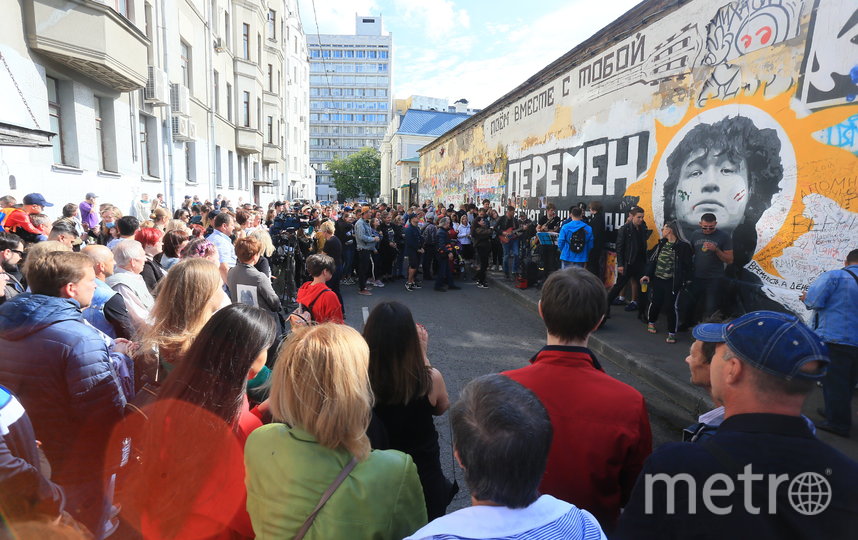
point(709, 182)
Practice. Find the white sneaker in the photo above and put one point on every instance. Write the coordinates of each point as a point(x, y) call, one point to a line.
point(379, 284)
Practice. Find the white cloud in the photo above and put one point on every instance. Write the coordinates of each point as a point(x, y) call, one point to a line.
point(334, 16)
point(439, 18)
point(503, 56)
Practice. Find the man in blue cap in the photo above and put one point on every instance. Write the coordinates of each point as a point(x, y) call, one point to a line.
point(18, 220)
point(763, 474)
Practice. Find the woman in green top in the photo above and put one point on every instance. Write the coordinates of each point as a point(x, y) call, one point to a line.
point(668, 268)
point(322, 400)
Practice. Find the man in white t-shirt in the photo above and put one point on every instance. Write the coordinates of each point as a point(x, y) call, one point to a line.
point(501, 436)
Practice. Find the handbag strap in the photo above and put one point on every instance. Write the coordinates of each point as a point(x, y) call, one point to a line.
point(851, 274)
point(325, 496)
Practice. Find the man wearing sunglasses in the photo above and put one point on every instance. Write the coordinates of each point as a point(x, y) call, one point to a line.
point(713, 250)
point(11, 253)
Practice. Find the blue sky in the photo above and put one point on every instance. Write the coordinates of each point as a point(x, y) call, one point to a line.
point(475, 49)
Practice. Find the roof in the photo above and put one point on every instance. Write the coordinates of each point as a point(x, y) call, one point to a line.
point(432, 123)
point(414, 159)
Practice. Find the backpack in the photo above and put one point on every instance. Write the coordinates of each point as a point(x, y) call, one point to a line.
point(303, 315)
point(578, 241)
point(428, 237)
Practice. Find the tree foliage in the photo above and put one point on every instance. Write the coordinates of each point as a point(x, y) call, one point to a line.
point(358, 174)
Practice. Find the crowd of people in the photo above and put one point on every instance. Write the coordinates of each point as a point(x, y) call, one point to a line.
point(173, 395)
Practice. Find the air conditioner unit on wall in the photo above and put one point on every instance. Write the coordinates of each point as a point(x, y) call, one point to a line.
point(192, 130)
point(156, 87)
point(180, 99)
point(181, 129)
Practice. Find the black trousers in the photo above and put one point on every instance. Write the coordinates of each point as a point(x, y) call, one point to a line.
point(497, 252)
point(550, 259)
point(483, 252)
point(364, 263)
point(661, 293)
point(631, 272)
point(430, 264)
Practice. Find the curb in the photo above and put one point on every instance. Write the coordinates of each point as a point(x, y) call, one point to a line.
point(693, 400)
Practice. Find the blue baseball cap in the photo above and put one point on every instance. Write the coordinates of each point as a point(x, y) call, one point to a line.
point(776, 343)
point(36, 198)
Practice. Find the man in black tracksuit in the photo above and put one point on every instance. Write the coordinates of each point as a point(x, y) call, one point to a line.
point(631, 258)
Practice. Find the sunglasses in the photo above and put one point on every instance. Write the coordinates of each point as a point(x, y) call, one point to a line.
point(18, 251)
point(710, 228)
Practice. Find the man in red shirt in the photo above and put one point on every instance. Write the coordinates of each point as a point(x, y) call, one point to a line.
point(18, 220)
point(601, 429)
point(315, 295)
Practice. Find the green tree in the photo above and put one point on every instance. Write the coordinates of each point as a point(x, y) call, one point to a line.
point(358, 174)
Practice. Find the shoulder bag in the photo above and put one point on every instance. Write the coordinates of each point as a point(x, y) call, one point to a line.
point(325, 496)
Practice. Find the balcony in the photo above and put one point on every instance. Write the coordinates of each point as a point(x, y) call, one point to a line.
point(89, 37)
point(270, 153)
point(248, 141)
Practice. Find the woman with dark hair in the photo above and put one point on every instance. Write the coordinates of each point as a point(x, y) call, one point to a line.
point(408, 393)
point(497, 248)
point(667, 270)
point(482, 235)
point(174, 242)
point(191, 483)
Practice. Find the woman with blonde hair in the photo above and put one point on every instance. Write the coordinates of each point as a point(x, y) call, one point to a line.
point(264, 265)
point(177, 225)
point(160, 217)
point(321, 403)
point(187, 297)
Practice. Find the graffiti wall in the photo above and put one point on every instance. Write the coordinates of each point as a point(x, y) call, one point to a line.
point(744, 109)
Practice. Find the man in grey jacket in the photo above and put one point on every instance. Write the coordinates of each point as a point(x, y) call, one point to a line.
point(366, 244)
point(247, 285)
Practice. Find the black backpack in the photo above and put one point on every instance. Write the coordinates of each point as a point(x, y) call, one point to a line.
point(578, 241)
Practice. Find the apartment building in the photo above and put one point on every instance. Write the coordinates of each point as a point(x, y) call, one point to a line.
point(350, 81)
point(182, 98)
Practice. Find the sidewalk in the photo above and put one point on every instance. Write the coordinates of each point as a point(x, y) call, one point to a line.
point(624, 341)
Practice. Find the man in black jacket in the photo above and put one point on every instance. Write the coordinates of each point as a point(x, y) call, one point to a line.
point(631, 256)
point(508, 222)
point(595, 259)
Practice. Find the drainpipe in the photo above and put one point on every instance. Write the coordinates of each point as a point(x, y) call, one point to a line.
point(210, 100)
point(169, 174)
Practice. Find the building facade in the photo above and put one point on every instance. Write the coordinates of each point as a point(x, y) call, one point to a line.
point(410, 130)
point(350, 81)
point(181, 98)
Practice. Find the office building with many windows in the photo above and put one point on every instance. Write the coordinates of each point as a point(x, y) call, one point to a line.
point(350, 81)
point(193, 97)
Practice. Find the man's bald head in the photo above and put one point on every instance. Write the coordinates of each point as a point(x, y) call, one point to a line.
point(102, 259)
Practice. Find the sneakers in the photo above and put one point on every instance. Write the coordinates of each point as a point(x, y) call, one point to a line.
point(619, 301)
point(633, 306)
point(416, 285)
point(378, 283)
point(671, 338)
point(650, 327)
point(409, 287)
point(482, 285)
point(365, 292)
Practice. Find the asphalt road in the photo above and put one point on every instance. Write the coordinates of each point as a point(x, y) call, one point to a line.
point(475, 331)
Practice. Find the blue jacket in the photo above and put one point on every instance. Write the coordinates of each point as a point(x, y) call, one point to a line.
point(95, 312)
point(833, 296)
point(566, 253)
point(60, 369)
point(364, 236)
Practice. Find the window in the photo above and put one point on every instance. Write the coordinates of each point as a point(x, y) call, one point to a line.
point(259, 49)
point(147, 26)
point(245, 41)
point(124, 8)
point(55, 113)
point(226, 34)
point(191, 162)
point(186, 64)
point(99, 135)
point(270, 129)
point(218, 175)
point(272, 24)
point(270, 78)
point(245, 109)
point(229, 102)
point(144, 146)
point(148, 146)
point(229, 166)
point(258, 114)
point(216, 91)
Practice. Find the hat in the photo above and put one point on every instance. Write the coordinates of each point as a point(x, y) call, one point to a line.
point(91, 195)
point(187, 196)
point(776, 343)
point(36, 198)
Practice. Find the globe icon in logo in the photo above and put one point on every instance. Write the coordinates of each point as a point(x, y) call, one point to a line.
point(809, 493)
